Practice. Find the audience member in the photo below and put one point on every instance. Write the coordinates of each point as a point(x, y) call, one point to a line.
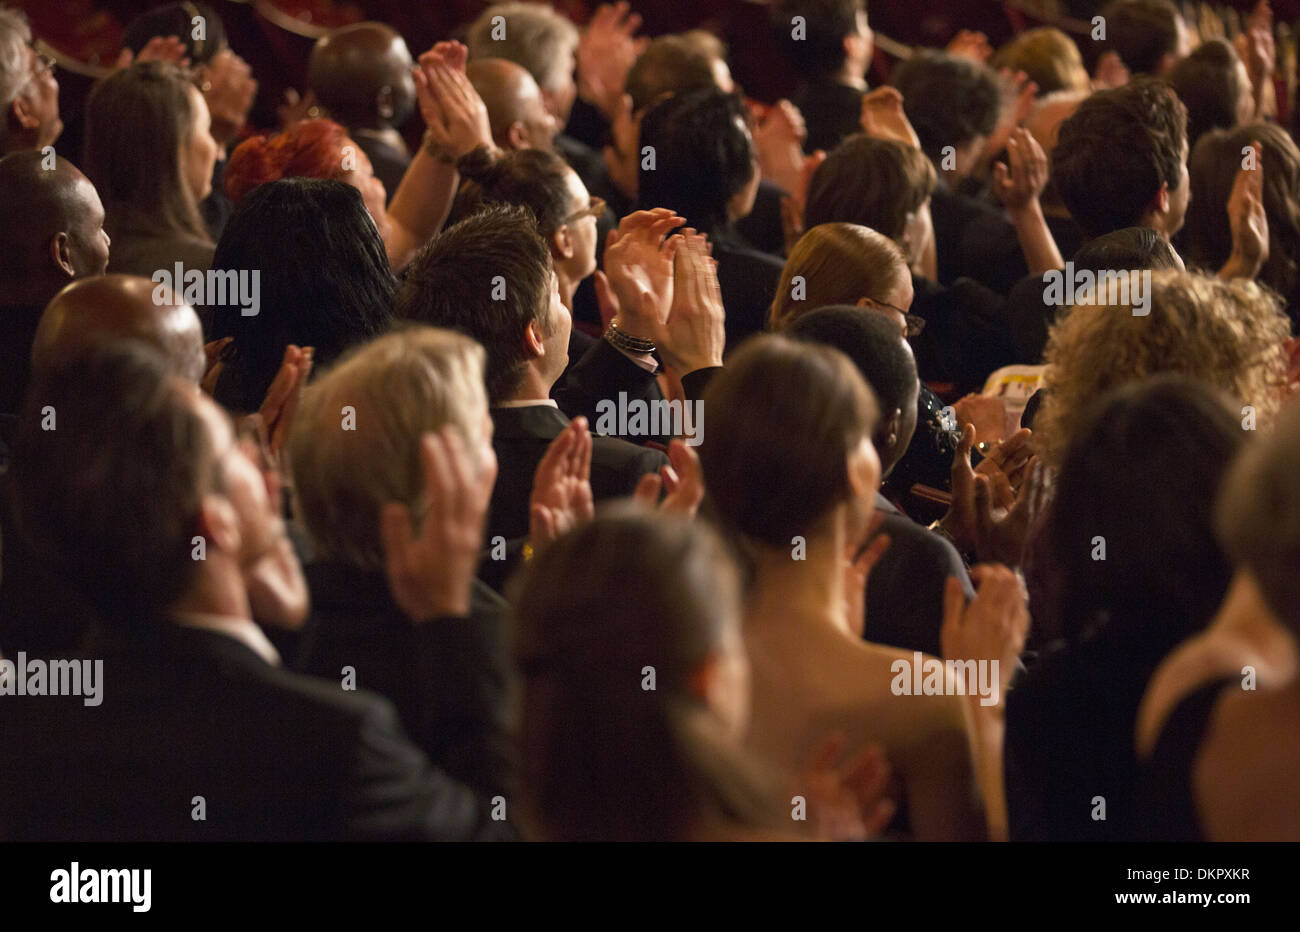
point(29, 91)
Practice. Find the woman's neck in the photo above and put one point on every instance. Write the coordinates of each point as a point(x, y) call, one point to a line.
point(804, 581)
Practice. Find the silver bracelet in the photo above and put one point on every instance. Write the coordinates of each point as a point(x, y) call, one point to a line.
point(623, 340)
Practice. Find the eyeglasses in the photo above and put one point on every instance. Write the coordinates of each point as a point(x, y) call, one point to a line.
point(915, 324)
point(45, 64)
point(594, 209)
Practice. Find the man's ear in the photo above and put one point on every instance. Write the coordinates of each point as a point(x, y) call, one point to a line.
point(562, 242)
point(61, 253)
point(534, 340)
point(890, 427)
point(218, 523)
point(24, 113)
point(1160, 204)
point(517, 136)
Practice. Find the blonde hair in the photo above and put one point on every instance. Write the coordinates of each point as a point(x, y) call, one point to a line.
point(1228, 334)
point(839, 263)
point(399, 387)
point(1048, 56)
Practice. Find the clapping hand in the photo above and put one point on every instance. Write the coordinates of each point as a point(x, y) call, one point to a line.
point(846, 802)
point(561, 498)
point(682, 482)
point(430, 559)
point(453, 111)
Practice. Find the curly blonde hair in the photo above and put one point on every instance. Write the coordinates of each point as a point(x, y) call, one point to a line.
point(1228, 334)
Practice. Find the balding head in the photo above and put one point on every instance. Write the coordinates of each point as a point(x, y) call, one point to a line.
point(514, 102)
point(51, 228)
point(362, 75)
point(122, 307)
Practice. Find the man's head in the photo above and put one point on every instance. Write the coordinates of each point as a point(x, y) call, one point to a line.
point(705, 165)
point(950, 101)
point(1148, 35)
point(1121, 160)
point(120, 307)
point(141, 464)
point(514, 103)
point(177, 19)
point(490, 277)
point(51, 228)
point(671, 64)
point(29, 92)
point(402, 386)
point(538, 39)
point(882, 354)
point(362, 75)
point(825, 38)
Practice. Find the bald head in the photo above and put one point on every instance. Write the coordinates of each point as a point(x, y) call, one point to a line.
point(121, 307)
point(362, 75)
point(514, 103)
point(51, 228)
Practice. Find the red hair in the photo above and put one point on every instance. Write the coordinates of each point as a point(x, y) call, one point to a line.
point(309, 149)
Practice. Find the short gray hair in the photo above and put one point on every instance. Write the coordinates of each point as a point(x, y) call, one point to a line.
point(537, 38)
point(15, 34)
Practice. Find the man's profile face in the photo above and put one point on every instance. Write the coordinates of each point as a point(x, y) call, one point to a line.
point(41, 94)
point(90, 243)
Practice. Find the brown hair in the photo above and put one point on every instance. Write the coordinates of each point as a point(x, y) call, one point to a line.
point(1227, 334)
point(1257, 516)
point(840, 263)
point(138, 120)
point(1214, 165)
point(786, 415)
point(603, 757)
point(1048, 56)
point(874, 183)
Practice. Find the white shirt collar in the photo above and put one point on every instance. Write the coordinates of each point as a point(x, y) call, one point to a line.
point(241, 629)
point(528, 403)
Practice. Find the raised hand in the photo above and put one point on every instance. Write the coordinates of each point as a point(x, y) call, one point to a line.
point(159, 48)
point(993, 627)
point(454, 114)
point(1001, 532)
point(1018, 94)
point(430, 559)
point(682, 480)
point(561, 498)
point(1247, 220)
point(282, 397)
point(228, 87)
point(972, 45)
point(694, 334)
point(639, 269)
point(846, 801)
point(779, 141)
point(606, 53)
point(1020, 184)
point(1006, 464)
point(883, 117)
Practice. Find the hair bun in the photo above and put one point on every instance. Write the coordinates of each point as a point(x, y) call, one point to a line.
point(479, 165)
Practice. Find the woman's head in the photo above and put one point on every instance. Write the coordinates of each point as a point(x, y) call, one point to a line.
point(545, 184)
point(842, 263)
point(1212, 83)
point(308, 149)
point(1131, 528)
point(1215, 162)
point(791, 442)
point(876, 183)
point(630, 705)
point(1227, 334)
point(401, 386)
point(331, 296)
point(705, 166)
point(149, 148)
point(1048, 57)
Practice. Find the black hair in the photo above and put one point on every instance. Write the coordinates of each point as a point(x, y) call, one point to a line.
point(454, 282)
point(1209, 85)
point(949, 100)
point(873, 344)
point(324, 281)
point(820, 50)
point(1139, 478)
point(1141, 32)
point(177, 19)
point(703, 155)
point(1115, 152)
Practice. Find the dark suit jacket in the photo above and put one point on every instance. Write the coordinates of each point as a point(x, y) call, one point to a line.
point(831, 111)
point(747, 279)
point(448, 679)
point(601, 374)
point(904, 606)
point(275, 756)
point(520, 440)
